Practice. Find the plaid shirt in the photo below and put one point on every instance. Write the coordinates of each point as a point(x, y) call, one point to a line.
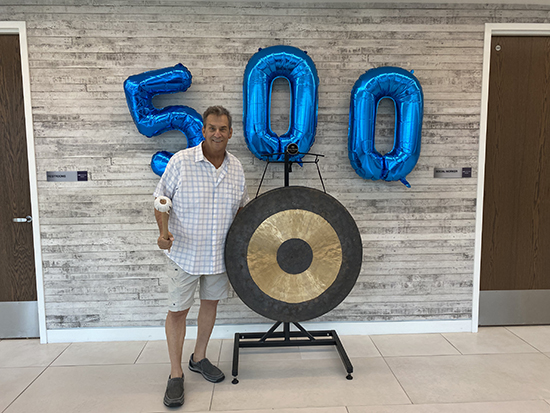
point(204, 203)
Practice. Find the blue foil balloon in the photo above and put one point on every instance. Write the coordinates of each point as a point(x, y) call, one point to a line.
point(404, 89)
point(150, 121)
point(261, 71)
point(159, 161)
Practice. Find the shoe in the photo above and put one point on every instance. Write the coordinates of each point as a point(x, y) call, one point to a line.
point(207, 369)
point(173, 396)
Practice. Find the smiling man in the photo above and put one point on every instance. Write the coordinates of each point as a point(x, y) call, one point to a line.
point(207, 187)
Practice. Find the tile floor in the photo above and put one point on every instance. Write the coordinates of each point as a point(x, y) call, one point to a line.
point(504, 370)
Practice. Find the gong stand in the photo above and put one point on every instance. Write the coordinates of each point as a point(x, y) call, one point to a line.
point(288, 338)
point(291, 150)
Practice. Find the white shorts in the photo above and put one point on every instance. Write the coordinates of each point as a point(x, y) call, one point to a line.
point(182, 286)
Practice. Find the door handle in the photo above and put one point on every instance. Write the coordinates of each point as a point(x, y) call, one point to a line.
point(28, 218)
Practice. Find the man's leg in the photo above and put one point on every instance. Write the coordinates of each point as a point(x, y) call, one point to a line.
point(205, 324)
point(213, 288)
point(175, 335)
point(198, 362)
point(181, 289)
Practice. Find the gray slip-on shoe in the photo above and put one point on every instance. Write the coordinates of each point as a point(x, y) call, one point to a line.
point(173, 396)
point(207, 369)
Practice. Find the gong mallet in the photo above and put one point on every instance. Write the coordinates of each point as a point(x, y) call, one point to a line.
point(163, 205)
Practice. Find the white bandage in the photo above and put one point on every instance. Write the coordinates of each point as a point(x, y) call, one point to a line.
point(163, 204)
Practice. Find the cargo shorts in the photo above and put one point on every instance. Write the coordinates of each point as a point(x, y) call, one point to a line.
point(182, 287)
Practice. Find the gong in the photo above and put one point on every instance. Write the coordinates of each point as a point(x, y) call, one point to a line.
point(293, 254)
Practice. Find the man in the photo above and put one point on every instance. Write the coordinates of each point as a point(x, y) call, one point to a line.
point(207, 187)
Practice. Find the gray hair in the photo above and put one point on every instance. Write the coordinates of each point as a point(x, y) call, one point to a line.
point(218, 111)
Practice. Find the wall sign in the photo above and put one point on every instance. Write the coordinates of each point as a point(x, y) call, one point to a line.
point(66, 176)
point(453, 172)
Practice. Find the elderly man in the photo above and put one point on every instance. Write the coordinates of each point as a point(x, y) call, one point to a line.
point(207, 187)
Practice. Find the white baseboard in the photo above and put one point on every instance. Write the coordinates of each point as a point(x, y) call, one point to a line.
point(74, 335)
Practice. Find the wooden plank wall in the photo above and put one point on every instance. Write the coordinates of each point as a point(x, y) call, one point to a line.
point(101, 264)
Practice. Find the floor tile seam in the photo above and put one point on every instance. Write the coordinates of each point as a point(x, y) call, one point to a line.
point(377, 349)
point(452, 345)
point(522, 339)
point(59, 355)
point(141, 352)
point(218, 361)
point(453, 403)
point(147, 363)
point(393, 374)
point(25, 389)
point(212, 398)
point(422, 355)
point(214, 386)
point(103, 364)
point(503, 353)
point(464, 402)
point(533, 399)
point(466, 355)
point(22, 367)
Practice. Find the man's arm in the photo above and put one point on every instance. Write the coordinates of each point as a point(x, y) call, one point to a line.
point(164, 244)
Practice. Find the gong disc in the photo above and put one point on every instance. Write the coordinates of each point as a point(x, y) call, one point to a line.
point(293, 254)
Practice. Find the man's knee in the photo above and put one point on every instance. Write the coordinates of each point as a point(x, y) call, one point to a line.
point(210, 303)
point(178, 315)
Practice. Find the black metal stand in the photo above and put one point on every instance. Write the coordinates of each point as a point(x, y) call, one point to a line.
point(291, 150)
point(290, 338)
point(302, 337)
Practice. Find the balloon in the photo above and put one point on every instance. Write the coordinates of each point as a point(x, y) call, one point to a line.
point(262, 69)
point(404, 89)
point(159, 161)
point(150, 121)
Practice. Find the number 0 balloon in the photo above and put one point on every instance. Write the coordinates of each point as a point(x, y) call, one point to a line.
point(404, 89)
point(262, 69)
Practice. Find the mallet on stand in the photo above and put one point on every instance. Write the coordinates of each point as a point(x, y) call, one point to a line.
point(163, 205)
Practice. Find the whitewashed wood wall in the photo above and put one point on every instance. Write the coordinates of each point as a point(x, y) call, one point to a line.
point(101, 264)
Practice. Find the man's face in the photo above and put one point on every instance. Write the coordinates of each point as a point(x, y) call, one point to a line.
point(216, 132)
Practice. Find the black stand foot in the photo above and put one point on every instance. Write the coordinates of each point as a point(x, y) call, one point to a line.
point(290, 338)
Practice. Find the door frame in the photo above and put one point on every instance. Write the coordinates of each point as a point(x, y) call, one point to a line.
point(19, 27)
point(491, 29)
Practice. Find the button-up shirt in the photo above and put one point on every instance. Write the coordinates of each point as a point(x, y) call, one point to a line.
point(204, 203)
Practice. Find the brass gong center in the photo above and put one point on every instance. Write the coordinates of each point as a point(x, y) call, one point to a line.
point(279, 261)
point(294, 256)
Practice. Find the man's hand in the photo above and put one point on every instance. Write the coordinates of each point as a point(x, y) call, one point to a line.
point(165, 244)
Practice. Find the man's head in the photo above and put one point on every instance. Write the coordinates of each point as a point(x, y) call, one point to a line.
point(218, 111)
point(216, 131)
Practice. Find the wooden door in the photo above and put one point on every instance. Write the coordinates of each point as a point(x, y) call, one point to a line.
point(515, 259)
point(17, 271)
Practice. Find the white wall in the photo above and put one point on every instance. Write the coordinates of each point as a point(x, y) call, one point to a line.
point(101, 264)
